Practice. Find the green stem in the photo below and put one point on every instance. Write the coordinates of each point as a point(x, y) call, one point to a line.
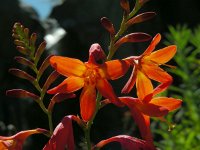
point(42, 94)
point(89, 123)
point(50, 122)
point(122, 29)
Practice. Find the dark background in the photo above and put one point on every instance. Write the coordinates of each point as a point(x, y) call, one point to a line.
point(81, 21)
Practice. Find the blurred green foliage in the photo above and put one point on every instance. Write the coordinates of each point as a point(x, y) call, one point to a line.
point(186, 86)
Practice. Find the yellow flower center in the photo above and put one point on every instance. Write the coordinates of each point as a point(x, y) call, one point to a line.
point(91, 75)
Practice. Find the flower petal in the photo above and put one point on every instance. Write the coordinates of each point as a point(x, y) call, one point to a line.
point(152, 110)
point(170, 103)
point(69, 85)
point(62, 136)
point(115, 68)
point(107, 91)
point(153, 44)
point(143, 85)
point(143, 121)
point(161, 87)
point(88, 102)
point(16, 141)
point(127, 142)
point(163, 55)
point(154, 72)
point(68, 66)
point(131, 82)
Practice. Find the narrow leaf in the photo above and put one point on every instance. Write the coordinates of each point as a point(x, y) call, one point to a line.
point(44, 66)
point(133, 37)
point(141, 18)
point(52, 77)
point(39, 51)
point(24, 61)
point(21, 74)
point(20, 93)
point(59, 98)
point(107, 24)
point(125, 5)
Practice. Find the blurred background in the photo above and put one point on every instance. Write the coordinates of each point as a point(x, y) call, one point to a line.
point(69, 28)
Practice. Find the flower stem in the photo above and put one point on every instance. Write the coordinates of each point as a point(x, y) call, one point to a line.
point(50, 122)
point(123, 27)
point(89, 123)
point(42, 94)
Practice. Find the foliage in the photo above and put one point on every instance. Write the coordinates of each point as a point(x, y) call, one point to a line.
point(187, 82)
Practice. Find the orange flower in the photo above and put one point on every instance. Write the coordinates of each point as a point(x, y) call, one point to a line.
point(16, 141)
point(89, 75)
point(142, 111)
point(146, 67)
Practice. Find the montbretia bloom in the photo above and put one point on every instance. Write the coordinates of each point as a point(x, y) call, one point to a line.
point(16, 141)
point(90, 75)
point(142, 111)
point(146, 67)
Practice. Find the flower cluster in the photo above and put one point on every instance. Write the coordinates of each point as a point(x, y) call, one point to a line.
point(93, 78)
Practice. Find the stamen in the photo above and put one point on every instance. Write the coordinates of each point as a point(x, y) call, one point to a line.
point(171, 126)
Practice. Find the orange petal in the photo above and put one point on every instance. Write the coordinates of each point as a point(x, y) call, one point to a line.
point(68, 66)
point(131, 82)
point(16, 141)
point(88, 102)
point(170, 103)
point(141, 120)
point(143, 85)
point(161, 87)
point(152, 110)
point(163, 55)
point(153, 44)
point(154, 72)
point(115, 68)
point(69, 85)
point(107, 91)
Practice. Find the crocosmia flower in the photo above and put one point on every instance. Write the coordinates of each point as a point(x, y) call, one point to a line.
point(142, 111)
point(90, 76)
point(146, 67)
point(16, 141)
